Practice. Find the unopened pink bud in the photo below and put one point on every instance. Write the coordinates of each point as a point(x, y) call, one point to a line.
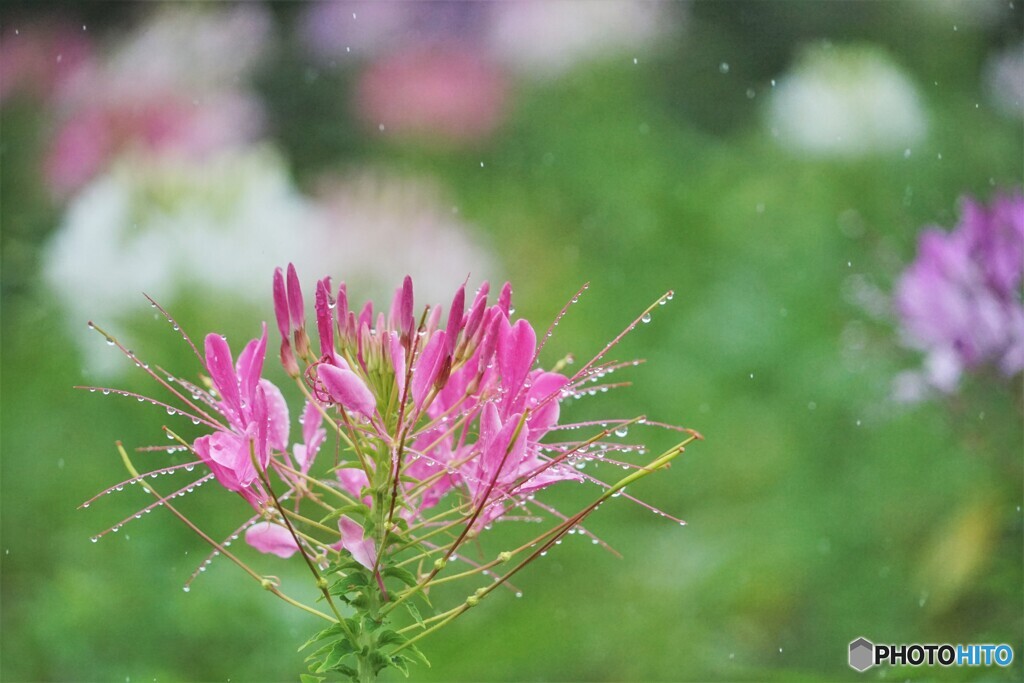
point(324, 318)
point(406, 319)
point(505, 299)
point(296, 310)
point(281, 305)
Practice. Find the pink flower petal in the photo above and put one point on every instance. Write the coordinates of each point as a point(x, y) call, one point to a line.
point(250, 364)
point(427, 367)
point(277, 415)
point(347, 389)
point(272, 539)
point(353, 540)
point(516, 346)
point(222, 371)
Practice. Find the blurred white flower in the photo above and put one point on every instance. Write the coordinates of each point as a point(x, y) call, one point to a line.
point(171, 227)
point(165, 225)
point(1004, 79)
point(846, 101)
point(546, 38)
point(381, 227)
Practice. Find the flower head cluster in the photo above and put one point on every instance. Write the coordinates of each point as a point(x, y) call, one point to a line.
point(960, 300)
point(440, 425)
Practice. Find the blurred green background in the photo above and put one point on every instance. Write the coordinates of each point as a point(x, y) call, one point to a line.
point(818, 509)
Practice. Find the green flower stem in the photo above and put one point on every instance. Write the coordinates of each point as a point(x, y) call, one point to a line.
point(661, 461)
point(439, 564)
point(321, 583)
point(305, 520)
point(314, 480)
point(220, 548)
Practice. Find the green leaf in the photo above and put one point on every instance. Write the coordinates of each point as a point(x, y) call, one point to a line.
point(403, 575)
point(351, 582)
point(345, 564)
point(414, 612)
point(400, 663)
point(344, 510)
point(332, 630)
point(390, 637)
point(416, 655)
point(341, 650)
point(310, 678)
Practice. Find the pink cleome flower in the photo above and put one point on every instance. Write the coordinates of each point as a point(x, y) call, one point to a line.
point(424, 412)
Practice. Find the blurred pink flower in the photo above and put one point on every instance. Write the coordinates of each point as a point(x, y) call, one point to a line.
point(176, 85)
point(960, 301)
point(450, 95)
point(163, 123)
point(37, 58)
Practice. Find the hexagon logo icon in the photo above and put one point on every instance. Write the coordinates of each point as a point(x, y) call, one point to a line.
point(862, 653)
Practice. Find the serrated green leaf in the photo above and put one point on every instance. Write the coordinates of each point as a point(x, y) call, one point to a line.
point(390, 637)
point(415, 653)
point(345, 564)
point(332, 630)
point(338, 653)
point(413, 611)
point(348, 671)
point(357, 580)
point(403, 575)
point(344, 510)
point(400, 663)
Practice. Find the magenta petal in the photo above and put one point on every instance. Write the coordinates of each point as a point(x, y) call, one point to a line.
point(353, 540)
point(281, 305)
point(250, 364)
point(516, 346)
point(505, 299)
point(427, 367)
point(476, 311)
point(279, 423)
point(311, 421)
point(227, 456)
point(397, 353)
point(454, 325)
point(354, 480)
point(272, 539)
point(296, 309)
point(490, 424)
point(324, 318)
point(542, 397)
point(342, 307)
point(222, 371)
point(346, 389)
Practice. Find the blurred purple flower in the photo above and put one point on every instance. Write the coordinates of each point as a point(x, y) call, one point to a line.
point(960, 301)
